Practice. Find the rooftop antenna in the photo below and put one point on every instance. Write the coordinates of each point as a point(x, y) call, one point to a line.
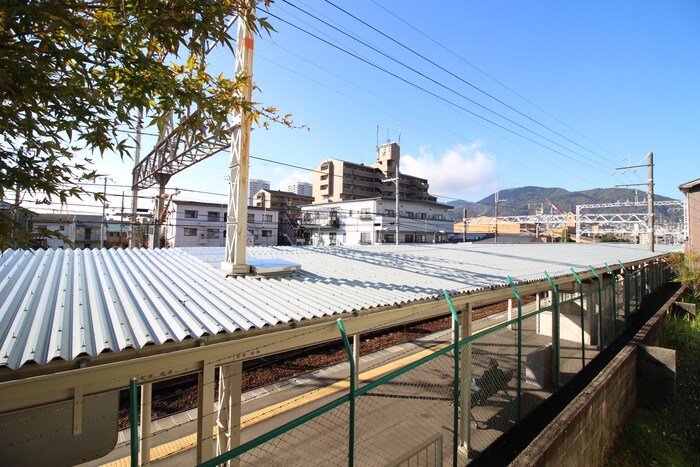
point(387, 135)
point(399, 142)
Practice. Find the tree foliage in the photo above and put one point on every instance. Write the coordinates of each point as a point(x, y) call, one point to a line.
point(686, 267)
point(75, 73)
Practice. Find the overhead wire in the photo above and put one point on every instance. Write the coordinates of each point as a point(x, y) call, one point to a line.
point(473, 86)
point(488, 75)
point(437, 96)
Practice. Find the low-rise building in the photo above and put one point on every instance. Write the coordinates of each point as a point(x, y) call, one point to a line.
point(692, 192)
point(196, 223)
point(89, 231)
point(288, 205)
point(64, 224)
point(373, 221)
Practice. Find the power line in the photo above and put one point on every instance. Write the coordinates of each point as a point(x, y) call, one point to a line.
point(491, 77)
point(443, 99)
point(473, 86)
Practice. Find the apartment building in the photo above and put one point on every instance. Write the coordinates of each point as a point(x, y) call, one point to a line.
point(255, 185)
point(65, 224)
point(195, 223)
point(301, 188)
point(373, 221)
point(288, 206)
point(337, 180)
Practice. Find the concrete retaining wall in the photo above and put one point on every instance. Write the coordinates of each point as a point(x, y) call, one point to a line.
point(582, 434)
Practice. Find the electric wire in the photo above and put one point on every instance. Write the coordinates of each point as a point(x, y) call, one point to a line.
point(488, 75)
point(473, 86)
point(437, 96)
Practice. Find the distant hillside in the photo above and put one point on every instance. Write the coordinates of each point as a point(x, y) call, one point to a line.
point(530, 199)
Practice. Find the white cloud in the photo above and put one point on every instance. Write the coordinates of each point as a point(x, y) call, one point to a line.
point(462, 170)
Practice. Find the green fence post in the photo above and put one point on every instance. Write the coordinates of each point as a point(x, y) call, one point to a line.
point(455, 394)
point(614, 301)
point(351, 357)
point(627, 293)
point(600, 306)
point(518, 409)
point(583, 318)
point(555, 331)
point(134, 419)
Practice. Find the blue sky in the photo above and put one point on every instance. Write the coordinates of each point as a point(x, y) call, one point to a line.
point(594, 83)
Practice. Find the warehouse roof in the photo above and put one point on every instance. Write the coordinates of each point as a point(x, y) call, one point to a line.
point(61, 304)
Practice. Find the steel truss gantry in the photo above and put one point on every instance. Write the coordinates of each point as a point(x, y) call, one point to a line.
point(629, 223)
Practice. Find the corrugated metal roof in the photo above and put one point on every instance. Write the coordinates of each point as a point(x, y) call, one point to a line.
point(61, 304)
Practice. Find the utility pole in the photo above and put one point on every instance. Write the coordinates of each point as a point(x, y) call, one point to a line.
point(650, 193)
point(396, 204)
point(103, 228)
point(239, 164)
point(464, 225)
point(135, 190)
point(496, 201)
point(650, 199)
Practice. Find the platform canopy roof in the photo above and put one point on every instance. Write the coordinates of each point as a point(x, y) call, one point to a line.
point(64, 304)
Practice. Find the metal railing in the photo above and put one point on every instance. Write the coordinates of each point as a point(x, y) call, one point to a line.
point(459, 398)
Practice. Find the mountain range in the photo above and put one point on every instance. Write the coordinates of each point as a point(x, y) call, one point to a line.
point(534, 199)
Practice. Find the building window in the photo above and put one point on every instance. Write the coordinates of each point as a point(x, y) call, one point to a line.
point(324, 177)
point(388, 238)
point(212, 233)
point(213, 216)
point(365, 214)
point(267, 217)
point(189, 214)
point(438, 217)
point(62, 228)
point(324, 167)
point(267, 233)
point(88, 233)
point(190, 232)
point(365, 238)
point(420, 238)
point(324, 187)
point(410, 214)
point(421, 215)
point(409, 238)
point(332, 238)
point(389, 213)
point(251, 218)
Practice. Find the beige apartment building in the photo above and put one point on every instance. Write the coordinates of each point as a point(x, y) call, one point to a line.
point(335, 180)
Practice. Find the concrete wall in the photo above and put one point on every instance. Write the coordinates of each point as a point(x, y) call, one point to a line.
point(583, 433)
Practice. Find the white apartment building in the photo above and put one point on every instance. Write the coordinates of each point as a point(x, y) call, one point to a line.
point(195, 223)
point(62, 223)
point(373, 220)
point(301, 188)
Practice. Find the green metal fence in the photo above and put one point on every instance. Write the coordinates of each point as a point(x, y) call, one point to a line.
point(450, 405)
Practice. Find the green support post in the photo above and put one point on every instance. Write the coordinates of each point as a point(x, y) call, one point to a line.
point(555, 331)
point(614, 298)
point(600, 306)
point(518, 410)
point(583, 319)
point(134, 419)
point(627, 293)
point(351, 357)
point(455, 395)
